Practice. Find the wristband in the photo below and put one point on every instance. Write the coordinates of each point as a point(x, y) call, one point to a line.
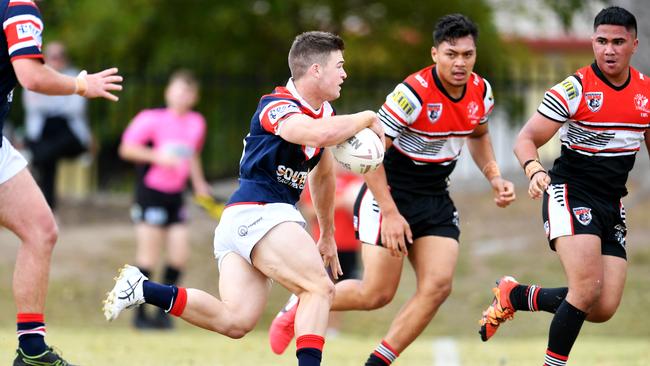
point(539, 171)
point(532, 167)
point(81, 84)
point(491, 170)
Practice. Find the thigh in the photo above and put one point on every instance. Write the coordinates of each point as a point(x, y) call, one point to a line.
point(242, 287)
point(434, 260)
point(381, 270)
point(582, 262)
point(23, 208)
point(288, 255)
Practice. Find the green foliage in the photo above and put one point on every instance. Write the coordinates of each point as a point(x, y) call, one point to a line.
point(239, 49)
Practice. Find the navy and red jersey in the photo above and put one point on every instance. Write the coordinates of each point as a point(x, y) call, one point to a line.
point(21, 38)
point(273, 170)
point(603, 127)
point(429, 128)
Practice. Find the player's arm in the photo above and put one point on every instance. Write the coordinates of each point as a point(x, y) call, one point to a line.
point(322, 185)
point(199, 185)
point(395, 230)
point(33, 75)
point(535, 133)
point(327, 131)
point(480, 148)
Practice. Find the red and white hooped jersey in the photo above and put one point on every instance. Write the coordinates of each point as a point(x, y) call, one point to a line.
point(429, 128)
point(604, 127)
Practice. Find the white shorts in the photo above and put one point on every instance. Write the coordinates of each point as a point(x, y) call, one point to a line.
point(11, 162)
point(242, 226)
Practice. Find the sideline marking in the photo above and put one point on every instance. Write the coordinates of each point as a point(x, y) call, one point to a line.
point(445, 352)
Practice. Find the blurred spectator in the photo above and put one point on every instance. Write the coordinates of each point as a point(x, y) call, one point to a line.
point(55, 126)
point(166, 143)
point(347, 188)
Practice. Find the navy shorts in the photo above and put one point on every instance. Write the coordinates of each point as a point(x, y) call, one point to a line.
point(158, 208)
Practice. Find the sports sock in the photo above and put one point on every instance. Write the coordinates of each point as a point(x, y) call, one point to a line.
point(563, 332)
point(171, 276)
point(309, 349)
point(383, 355)
point(141, 310)
point(31, 333)
point(170, 298)
point(535, 298)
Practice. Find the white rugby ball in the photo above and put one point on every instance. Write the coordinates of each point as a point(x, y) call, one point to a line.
point(361, 153)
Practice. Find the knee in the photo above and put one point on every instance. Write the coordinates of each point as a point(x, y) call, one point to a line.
point(43, 235)
point(237, 329)
point(436, 291)
point(378, 299)
point(323, 288)
point(586, 293)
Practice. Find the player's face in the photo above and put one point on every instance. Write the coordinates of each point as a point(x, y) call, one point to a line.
point(613, 47)
point(455, 61)
point(180, 96)
point(332, 76)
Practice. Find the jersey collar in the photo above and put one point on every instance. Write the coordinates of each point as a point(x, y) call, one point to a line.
point(292, 89)
point(442, 88)
point(601, 76)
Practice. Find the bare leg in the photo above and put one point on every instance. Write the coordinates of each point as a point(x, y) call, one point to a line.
point(244, 291)
point(150, 239)
point(24, 211)
point(178, 246)
point(381, 275)
point(434, 260)
point(614, 274)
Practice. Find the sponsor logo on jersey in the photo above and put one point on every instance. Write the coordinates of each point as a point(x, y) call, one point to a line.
point(403, 102)
point(641, 103)
point(276, 113)
point(569, 88)
point(594, 100)
point(472, 112)
point(421, 80)
point(434, 111)
point(292, 178)
point(583, 214)
point(28, 30)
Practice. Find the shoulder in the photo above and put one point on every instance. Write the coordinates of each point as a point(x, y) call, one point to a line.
point(639, 77)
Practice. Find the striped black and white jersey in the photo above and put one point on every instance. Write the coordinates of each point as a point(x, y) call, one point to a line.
point(429, 128)
point(603, 128)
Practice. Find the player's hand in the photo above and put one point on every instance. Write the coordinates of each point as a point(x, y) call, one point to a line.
point(395, 234)
point(377, 128)
point(102, 83)
point(504, 191)
point(327, 250)
point(538, 185)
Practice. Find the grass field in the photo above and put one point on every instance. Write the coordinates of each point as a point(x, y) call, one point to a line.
point(96, 238)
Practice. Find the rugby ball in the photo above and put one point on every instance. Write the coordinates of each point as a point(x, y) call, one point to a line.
point(361, 153)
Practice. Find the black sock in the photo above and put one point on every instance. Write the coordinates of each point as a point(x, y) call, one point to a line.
point(172, 275)
point(309, 356)
point(162, 296)
point(534, 298)
point(373, 360)
point(563, 332)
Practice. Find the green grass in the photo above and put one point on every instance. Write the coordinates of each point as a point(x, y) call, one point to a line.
point(494, 242)
point(119, 345)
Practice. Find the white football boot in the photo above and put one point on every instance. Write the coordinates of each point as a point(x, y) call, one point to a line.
point(127, 292)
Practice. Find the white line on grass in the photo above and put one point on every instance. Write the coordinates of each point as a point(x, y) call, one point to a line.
point(445, 352)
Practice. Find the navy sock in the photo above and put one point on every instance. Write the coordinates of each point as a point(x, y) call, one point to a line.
point(159, 295)
point(31, 333)
point(172, 275)
point(309, 356)
point(563, 332)
point(141, 310)
point(534, 298)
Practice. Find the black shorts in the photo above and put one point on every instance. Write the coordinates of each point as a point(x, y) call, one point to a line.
point(157, 208)
point(348, 260)
point(427, 215)
point(568, 213)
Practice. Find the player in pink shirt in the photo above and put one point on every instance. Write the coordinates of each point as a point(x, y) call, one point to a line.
point(166, 144)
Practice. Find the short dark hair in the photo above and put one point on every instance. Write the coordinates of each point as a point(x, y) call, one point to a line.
point(615, 15)
point(453, 26)
point(186, 76)
point(312, 48)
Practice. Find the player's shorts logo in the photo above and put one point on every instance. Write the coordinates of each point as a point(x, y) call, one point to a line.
point(594, 100)
point(583, 214)
point(434, 111)
point(620, 231)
